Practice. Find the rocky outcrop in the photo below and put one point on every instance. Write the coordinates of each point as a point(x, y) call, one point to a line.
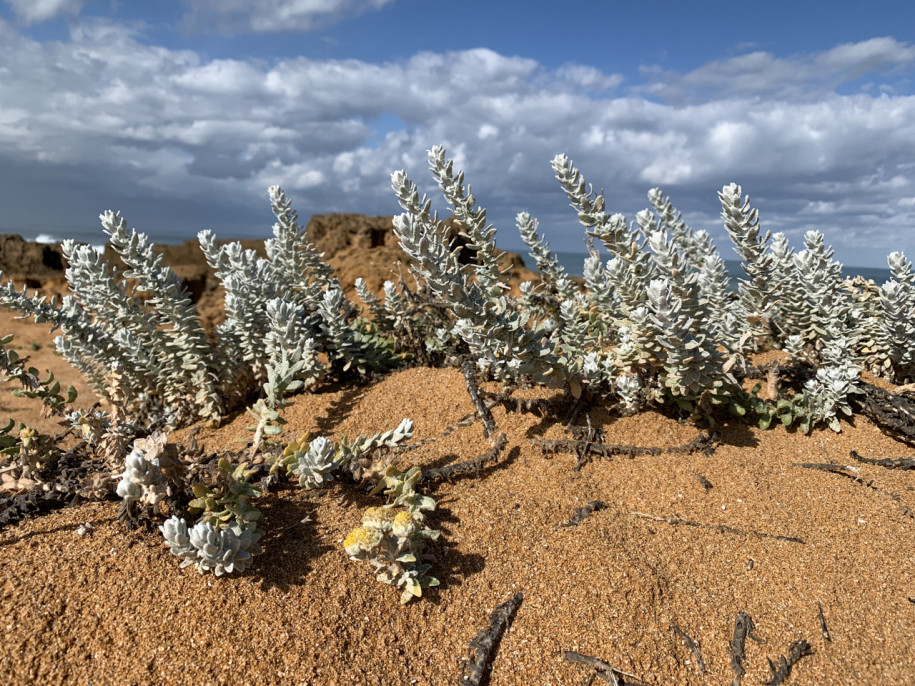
point(30, 263)
point(355, 245)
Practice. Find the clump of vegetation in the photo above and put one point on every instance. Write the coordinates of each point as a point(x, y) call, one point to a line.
point(392, 537)
point(655, 326)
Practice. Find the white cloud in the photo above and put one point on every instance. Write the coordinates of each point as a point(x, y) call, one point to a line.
point(269, 16)
point(120, 123)
point(806, 76)
point(36, 11)
point(589, 78)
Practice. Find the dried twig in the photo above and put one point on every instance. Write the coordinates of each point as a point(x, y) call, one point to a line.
point(586, 511)
point(823, 628)
point(743, 627)
point(473, 466)
point(852, 473)
point(703, 443)
point(602, 669)
point(829, 467)
point(902, 463)
point(894, 414)
point(485, 643)
point(782, 668)
point(538, 406)
point(721, 528)
point(692, 646)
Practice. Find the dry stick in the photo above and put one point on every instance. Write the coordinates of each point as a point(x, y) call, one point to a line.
point(489, 424)
point(894, 414)
point(603, 670)
point(590, 437)
point(829, 467)
point(692, 646)
point(703, 443)
point(588, 432)
point(538, 406)
point(782, 668)
point(823, 628)
point(902, 463)
point(468, 467)
point(720, 528)
point(485, 642)
point(743, 627)
point(851, 473)
point(586, 511)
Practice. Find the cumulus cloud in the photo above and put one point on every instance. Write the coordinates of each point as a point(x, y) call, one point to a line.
point(270, 16)
point(107, 118)
point(36, 11)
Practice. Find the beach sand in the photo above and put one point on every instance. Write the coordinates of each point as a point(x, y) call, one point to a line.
point(802, 552)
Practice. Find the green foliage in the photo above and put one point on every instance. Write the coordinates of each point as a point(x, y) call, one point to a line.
point(21, 444)
point(392, 537)
point(229, 499)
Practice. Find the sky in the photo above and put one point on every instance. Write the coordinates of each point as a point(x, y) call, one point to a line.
point(180, 114)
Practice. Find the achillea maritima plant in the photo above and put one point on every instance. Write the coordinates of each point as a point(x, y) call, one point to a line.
point(143, 325)
point(656, 323)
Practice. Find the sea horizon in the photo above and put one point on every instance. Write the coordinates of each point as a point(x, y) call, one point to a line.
point(573, 263)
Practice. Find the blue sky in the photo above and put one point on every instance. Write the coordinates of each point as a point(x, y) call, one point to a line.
point(180, 114)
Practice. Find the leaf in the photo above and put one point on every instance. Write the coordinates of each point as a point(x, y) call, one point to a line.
point(575, 387)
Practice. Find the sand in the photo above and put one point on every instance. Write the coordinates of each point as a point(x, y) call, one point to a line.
point(113, 607)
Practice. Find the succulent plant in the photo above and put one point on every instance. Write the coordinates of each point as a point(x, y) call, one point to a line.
point(210, 549)
point(316, 465)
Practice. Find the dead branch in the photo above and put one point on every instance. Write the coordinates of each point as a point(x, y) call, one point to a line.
point(720, 528)
point(484, 644)
point(691, 646)
point(902, 463)
point(743, 628)
point(782, 668)
point(602, 669)
point(586, 511)
point(894, 414)
point(823, 628)
point(473, 466)
point(829, 467)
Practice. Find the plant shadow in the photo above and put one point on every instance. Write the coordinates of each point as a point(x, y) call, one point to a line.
point(290, 545)
point(339, 409)
point(450, 566)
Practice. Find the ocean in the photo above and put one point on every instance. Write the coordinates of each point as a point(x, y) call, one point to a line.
point(573, 262)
